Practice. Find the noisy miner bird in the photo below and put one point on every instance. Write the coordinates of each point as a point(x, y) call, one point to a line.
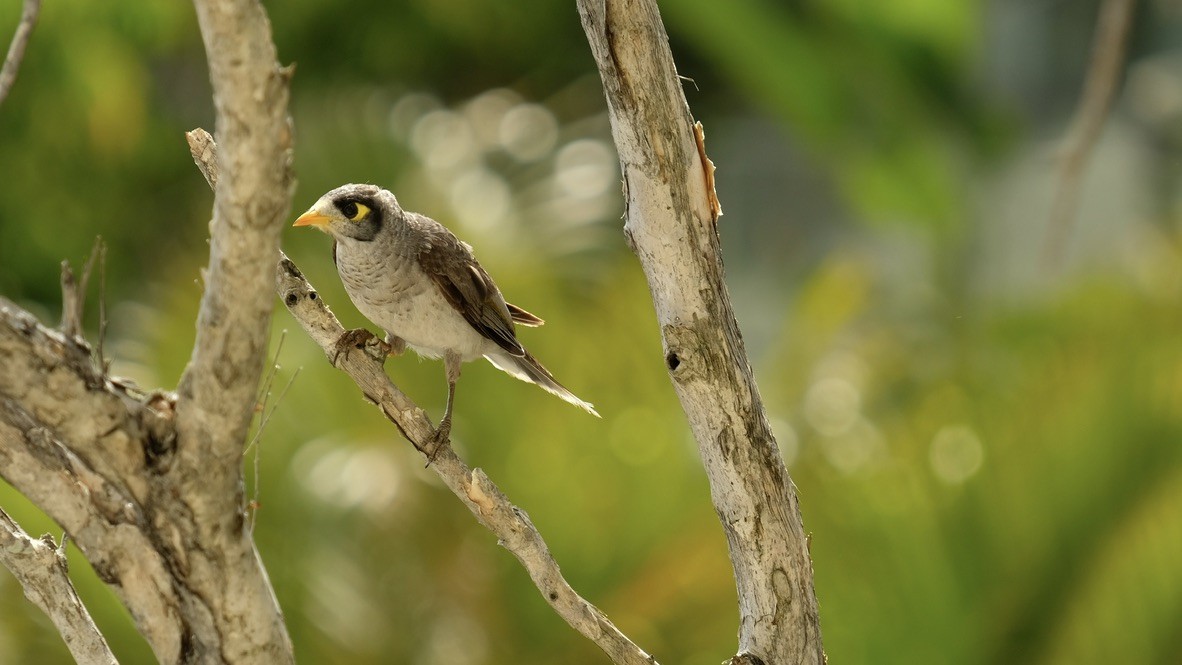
point(411, 276)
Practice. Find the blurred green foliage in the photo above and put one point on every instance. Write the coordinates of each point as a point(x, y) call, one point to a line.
point(987, 449)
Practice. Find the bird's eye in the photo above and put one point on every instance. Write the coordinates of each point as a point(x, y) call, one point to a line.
point(353, 210)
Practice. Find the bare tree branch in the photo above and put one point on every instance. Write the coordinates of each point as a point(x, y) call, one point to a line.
point(488, 504)
point(39, 565)
point(671, 225)
point(216, 392)
point(475, 490)
point(100, 459)
point(16, 50)
point(1108, 58)
point(77, 446)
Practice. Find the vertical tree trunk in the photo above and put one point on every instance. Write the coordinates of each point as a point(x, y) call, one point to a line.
point(672, 214)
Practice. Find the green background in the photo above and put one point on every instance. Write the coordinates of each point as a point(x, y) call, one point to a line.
point(986, 442)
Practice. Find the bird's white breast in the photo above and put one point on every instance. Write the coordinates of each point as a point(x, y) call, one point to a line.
point(400, 298)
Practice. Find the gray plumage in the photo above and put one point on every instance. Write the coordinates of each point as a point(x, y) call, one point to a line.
point(412, 277)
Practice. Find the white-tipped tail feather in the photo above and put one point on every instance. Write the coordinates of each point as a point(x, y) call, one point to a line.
point(527, 368)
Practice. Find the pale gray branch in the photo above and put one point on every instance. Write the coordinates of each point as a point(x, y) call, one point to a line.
point(39, 565)
point(671, 218)
point(16, 50)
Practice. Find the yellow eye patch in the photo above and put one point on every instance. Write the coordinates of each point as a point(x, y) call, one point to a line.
point(362, 211)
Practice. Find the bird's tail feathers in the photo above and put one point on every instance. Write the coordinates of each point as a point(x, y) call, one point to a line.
point(527, 368)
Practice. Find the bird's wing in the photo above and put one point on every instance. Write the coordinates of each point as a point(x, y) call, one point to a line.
point(470, 290)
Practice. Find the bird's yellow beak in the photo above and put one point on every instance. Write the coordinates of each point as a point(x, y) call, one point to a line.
point(312, 218)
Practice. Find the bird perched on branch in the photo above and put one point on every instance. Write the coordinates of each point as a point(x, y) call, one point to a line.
point(412, 277)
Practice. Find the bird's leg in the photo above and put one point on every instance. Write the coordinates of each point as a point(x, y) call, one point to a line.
point(451, 364)
point(360, 338)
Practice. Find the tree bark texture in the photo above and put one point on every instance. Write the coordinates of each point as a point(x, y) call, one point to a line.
point(672, 213)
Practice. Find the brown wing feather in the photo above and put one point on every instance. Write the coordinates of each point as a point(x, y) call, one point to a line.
point(470, 290)
point(522, 317)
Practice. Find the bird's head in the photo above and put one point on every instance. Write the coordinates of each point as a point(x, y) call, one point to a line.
point(352, 211)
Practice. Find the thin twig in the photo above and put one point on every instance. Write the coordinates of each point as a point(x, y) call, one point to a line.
point(88, 267)
point(103, 364)
point(71, 325)
point(1108, 56)
point(16, 50)
point(264, 418)
point(257, 492)
point(261, 408)
point(258, 452)
point(265, 390)
point(74, 294)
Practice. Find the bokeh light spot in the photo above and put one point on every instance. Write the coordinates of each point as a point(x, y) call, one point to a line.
point(443, 140)
point(348, 477)
point(480, 198)
point(831, 406)
point(407, 111)
point(486, 112)
point(585, 168)
point(529, 132)
point(855, 448)
point(956, 454)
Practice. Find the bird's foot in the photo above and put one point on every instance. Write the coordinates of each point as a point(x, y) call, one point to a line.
point(360, 338)
point(396, 345)
point(439, 440)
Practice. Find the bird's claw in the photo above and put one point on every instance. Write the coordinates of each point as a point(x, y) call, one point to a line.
point(440, 439)
point(360, 338)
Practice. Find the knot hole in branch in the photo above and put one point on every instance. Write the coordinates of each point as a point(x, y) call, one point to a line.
point(672, 361)
point(683, 345)
point(293, 297)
